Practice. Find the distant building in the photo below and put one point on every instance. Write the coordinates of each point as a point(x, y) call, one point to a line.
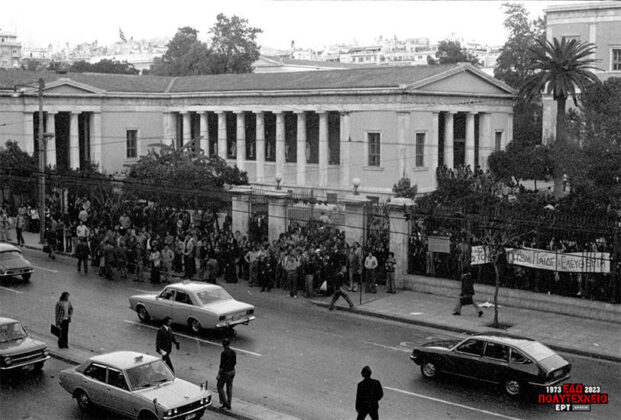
point(10, 51)
point(597, 23)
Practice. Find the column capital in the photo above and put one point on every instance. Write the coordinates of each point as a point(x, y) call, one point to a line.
point(238, 112)
point(298, 112)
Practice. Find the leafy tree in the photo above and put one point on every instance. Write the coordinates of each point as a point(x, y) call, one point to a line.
point(404, 188)
point(233, 45)
point(18, 169)
point(182, 178)
point(513, 65)
point(520, 161)
point(181, 57)
point(450, 51)
point(600, 107)
point(104, 66)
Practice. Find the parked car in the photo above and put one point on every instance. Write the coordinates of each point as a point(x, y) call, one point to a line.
point(13, 263)
point(517, 363)
point(135, 385)
point(18, 349)
point(198, 305)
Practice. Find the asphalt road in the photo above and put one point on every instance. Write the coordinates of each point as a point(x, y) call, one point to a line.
point(296, 358)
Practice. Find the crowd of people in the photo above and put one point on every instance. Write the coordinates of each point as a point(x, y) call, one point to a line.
point(145, 242)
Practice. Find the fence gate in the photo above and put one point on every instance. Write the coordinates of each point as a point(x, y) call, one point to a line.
point(377, 235)
point(258, 218)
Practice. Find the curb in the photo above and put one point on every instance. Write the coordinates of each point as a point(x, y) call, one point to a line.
point(356, 310)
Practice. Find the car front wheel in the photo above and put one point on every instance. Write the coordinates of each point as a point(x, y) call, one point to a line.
point(513, 388)
point(83, 401)
point(26, 277)
point(429, 370)
point(38, 366)
point(195, 326)
point(143, 314)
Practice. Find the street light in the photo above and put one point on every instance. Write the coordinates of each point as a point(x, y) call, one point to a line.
point(356, 184)
point(278, 179)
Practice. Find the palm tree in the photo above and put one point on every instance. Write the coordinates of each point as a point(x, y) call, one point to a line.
point(561, 69)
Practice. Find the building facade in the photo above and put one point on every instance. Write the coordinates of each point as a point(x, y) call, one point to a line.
point(10, 51)
point(316, 129)
point(598, 23)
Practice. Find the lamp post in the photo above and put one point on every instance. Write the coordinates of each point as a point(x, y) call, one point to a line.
point(278, 179)
point(356, 183)
point(41, 138)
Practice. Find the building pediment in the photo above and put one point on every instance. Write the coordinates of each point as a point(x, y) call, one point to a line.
point(465, 79)
point(68, 87)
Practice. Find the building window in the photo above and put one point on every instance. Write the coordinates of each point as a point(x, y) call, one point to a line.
point(420, 150)
point(374, 148)
point(498, 141)
point(132, 143)
point(616, 59)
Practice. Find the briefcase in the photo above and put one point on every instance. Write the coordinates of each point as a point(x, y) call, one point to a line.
point(55, 330)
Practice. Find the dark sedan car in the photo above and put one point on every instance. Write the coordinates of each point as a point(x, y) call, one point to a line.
point(516, 363)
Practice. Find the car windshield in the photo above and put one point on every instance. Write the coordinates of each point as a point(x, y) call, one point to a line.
point(11, 332)
point(537, 351)
point(9, 255)
point(215, 294)
point(151, 374)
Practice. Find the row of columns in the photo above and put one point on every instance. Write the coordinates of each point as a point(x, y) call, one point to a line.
point(74, 140)
point(169, 121)
point(485, 138)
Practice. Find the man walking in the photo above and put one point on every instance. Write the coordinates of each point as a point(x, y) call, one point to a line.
point(290, 264)
point(164, 341)
point(226, 373)
point(466, 296)
point(369, 393)
point(82, 252)
point(339, 288)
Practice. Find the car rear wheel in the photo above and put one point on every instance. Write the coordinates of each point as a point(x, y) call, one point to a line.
point(513, 388)
point(429, 370)
point(143, 314)
point(194, 325)
point(83, 401)
point(26, 277)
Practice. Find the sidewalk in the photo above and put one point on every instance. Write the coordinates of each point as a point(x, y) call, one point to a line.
point(587, 337)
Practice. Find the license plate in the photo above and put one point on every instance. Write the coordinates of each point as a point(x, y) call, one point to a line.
point(189, 416)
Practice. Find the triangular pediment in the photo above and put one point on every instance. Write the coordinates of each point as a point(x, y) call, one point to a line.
point(465, 79)
point(65, 86)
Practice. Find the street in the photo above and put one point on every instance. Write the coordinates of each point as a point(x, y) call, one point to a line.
point(295, 358)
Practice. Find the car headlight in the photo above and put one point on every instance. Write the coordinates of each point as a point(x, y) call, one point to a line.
point(46, 352)
point(222, 318)
point(7, 361)
point(171, 412)
point(249, 311)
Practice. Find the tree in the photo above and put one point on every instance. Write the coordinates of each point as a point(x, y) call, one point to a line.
point(233, 45)
point(521, 161)
point(185, 55)
point(182, 177)
point(404, 188)
point(513, 65)
point(450, 52)
point(561, 68)
point(104, 66)
point(18, 170)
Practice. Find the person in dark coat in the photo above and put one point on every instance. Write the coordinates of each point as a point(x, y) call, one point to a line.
point(226, 373)
point(63, 313)
point(466, 295)
point(339, 288)
point(164, 341)
point(369, 393)
point(82, 252)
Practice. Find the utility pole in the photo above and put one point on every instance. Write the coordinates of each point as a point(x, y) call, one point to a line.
point(41, 138)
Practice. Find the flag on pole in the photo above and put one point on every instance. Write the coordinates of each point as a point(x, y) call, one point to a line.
point(122, 35)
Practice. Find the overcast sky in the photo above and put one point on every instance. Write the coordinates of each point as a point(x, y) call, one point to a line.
point(311, 24)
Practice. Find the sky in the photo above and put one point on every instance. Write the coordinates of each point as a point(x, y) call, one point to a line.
point(310, 24)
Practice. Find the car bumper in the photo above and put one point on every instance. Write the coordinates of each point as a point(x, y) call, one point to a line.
point(540, 386)
point(188, 414)
point(24, 364)
point(18, 272)
point(225, 324)
point(416, 359)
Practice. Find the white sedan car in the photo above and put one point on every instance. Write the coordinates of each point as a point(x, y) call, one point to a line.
point(198, 305)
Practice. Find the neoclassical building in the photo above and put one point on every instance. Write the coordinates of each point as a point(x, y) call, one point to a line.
point(316, 129)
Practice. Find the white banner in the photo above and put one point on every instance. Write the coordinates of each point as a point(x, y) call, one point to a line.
point(570, 262)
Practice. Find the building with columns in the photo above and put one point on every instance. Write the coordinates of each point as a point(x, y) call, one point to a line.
point(316, 129)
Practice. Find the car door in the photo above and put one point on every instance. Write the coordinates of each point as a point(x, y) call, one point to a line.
point(495, 362)
point(522, 366)
point(94, 383)
point(161, 306)
point(466, 357)
point(118, 396)
point(182, 307)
